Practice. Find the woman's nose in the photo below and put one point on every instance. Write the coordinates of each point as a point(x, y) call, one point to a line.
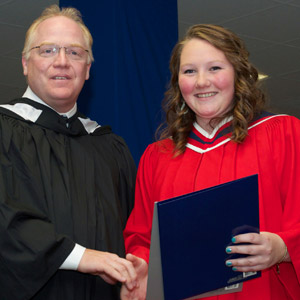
point(202, 80)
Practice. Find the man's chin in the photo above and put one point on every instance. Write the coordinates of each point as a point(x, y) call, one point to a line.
point(61, 102)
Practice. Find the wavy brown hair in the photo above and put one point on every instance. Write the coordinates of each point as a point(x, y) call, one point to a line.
point(249, 100)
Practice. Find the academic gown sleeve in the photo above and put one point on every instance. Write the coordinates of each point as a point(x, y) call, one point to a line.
point(137, 234)
point(288, 168)
point(28, 240)
point(127, 177)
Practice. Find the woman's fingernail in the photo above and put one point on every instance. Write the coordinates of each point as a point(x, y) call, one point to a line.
point(234, 269)
point(228, 250)
point(233, 239)
point(228, 263)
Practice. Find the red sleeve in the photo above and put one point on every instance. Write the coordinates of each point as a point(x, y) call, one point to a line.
point(137, 233)
point(289, 170)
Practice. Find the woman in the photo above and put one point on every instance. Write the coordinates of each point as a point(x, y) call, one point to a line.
point(216, 132)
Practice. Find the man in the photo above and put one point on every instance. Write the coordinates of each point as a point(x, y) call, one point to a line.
point(66, 183)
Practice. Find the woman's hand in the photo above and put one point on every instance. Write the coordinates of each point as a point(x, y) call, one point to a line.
point(264, 250)
point(139, 292)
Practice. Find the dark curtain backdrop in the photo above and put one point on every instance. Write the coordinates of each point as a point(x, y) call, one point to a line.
point(133, 40)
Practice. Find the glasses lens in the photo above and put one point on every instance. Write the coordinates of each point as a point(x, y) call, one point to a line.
point(48, 50)
point(76, 53)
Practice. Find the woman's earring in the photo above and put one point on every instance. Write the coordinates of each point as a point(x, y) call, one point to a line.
point(183, 107)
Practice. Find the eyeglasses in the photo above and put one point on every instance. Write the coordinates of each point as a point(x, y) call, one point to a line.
point(73, 52)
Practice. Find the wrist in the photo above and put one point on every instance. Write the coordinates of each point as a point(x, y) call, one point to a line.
point(282, 258)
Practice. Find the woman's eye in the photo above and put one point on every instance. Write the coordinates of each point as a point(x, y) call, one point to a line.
point(215, 68)
point(188, 71)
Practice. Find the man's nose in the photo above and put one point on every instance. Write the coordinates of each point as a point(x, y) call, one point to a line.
point(61, 57)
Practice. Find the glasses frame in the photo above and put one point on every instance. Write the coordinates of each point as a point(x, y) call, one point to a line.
point(58, 49)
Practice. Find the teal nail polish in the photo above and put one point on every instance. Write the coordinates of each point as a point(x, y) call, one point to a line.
point(228, 263)
point(228, 250)
point(234, 269)
point(233, 239)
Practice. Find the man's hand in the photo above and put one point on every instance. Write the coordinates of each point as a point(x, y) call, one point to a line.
point(110, 267)
point(139, 292)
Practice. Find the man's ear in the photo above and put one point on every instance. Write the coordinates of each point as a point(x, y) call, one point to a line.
point(87, 76)
point(24, 64)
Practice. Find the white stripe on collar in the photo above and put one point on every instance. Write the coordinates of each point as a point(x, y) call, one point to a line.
point(26, 111)
point(30, 113)
point(200, 150)
point(89, 125)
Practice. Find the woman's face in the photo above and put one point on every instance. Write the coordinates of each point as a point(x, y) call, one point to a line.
point(206, 81)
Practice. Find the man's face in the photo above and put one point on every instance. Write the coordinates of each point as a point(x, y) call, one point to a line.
point(58, 79)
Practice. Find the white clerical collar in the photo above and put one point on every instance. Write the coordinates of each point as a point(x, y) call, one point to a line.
point(32, 96)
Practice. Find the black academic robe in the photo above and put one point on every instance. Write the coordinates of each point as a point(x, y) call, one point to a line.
point(59, 185)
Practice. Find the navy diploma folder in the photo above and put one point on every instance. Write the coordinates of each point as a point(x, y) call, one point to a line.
point(189, 237)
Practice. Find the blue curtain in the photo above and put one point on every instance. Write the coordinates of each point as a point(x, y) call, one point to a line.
point(133, 40)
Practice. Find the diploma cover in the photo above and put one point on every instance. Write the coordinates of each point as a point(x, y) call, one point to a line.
point(189, 237)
